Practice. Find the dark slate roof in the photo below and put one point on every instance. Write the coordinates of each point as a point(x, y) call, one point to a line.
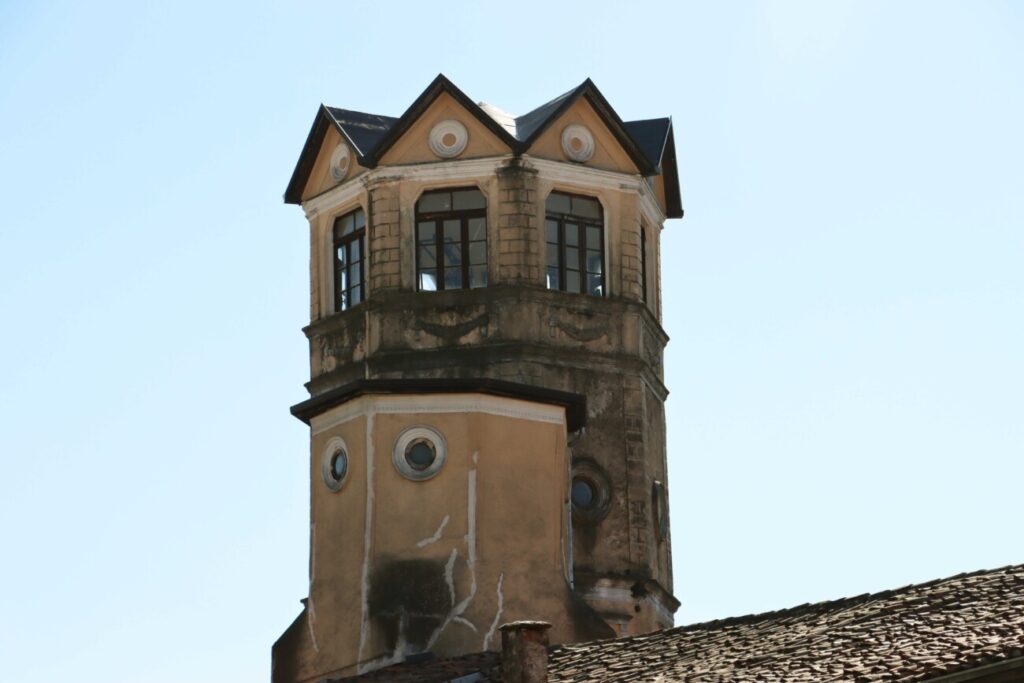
point(651, 135)
point(905, 635)
point(372, 134)
point(363, 130)
point(532, 122)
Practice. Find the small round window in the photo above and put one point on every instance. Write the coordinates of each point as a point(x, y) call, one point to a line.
point(584, 494)
point(590, 492)
point(334, 464)
point(419, 453)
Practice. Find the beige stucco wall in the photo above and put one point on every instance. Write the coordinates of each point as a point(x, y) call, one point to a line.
point(608, 154)
point(413, 146)
point(485, 540)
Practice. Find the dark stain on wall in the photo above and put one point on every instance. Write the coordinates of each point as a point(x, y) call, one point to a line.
point(408, 597)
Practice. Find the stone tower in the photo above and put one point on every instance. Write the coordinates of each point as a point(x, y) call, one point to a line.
point(486, 399)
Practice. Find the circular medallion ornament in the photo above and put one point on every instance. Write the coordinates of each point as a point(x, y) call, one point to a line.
point(577, 143)
point(448, 139)
point(340, 161)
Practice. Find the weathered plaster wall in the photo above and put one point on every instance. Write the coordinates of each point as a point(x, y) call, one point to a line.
point(400, 566)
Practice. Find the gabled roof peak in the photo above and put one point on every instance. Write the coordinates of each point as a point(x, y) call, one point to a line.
point(648, 143)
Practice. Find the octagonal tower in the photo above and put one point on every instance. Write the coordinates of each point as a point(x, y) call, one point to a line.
point(486, 397)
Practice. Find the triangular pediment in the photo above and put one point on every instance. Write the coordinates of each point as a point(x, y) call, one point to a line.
point(324, 174)
point(414, 144)
point(608, 153)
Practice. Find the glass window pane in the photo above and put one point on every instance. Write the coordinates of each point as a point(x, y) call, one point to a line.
point(428, 281)
point(358, 249)
point(346, 224)
point(553, 281)
point(477, 276)
point(552, 255)
point(434, 201)
point(343, 302)
point(551, 231)
point(593, 237)
point(341, 253)
point(359, 218)
point(452, 255)
point(572, 281)
point(595, 285)
point(477, 228)
point(353, 252)
point(557, 202)
point(572, 234)
point(426, 233)
point(468, 199)
point(572, 258)
point(477, 253)
point(587, 207)
point(452, 231)
point(355, 275)
point(594, 261)
point(427, 258)
point(453, 278)
point(356, 295)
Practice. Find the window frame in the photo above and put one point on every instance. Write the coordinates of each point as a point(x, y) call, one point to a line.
point(342, 294)
point(438, 218)
point(583, 222)
point(643, 263)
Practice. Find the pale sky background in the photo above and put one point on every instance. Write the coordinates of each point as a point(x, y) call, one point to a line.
point(844, 297)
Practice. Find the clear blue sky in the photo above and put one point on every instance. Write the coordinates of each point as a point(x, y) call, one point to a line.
point(845, 297)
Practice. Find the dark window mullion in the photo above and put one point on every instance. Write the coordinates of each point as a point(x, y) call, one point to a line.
point(464, 237)
point(561, 255)
point(439, 248)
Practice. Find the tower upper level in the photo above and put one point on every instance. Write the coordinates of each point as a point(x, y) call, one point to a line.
point(461, 196)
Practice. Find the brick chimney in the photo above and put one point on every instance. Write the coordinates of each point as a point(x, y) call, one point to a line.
point(524, 652)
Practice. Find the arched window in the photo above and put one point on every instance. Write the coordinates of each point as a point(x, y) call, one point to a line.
point(451, 240)
point(574, 233)
point(349, 259)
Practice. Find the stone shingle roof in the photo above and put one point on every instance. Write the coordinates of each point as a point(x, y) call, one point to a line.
point(914, 633)
point(908, 634)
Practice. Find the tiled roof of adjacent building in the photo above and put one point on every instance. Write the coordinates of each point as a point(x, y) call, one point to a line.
point(915, 633)
point(908, 634)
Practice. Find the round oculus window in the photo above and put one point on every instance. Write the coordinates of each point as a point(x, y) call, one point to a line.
point(339, 465)
point(590, 491)
point(583, 494)
point(419, 453)
point(334, 464)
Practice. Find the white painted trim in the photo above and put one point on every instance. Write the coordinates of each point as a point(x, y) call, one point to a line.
point(474, 169)
point(459, 169)
point(625, 595)
point(436, 404)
